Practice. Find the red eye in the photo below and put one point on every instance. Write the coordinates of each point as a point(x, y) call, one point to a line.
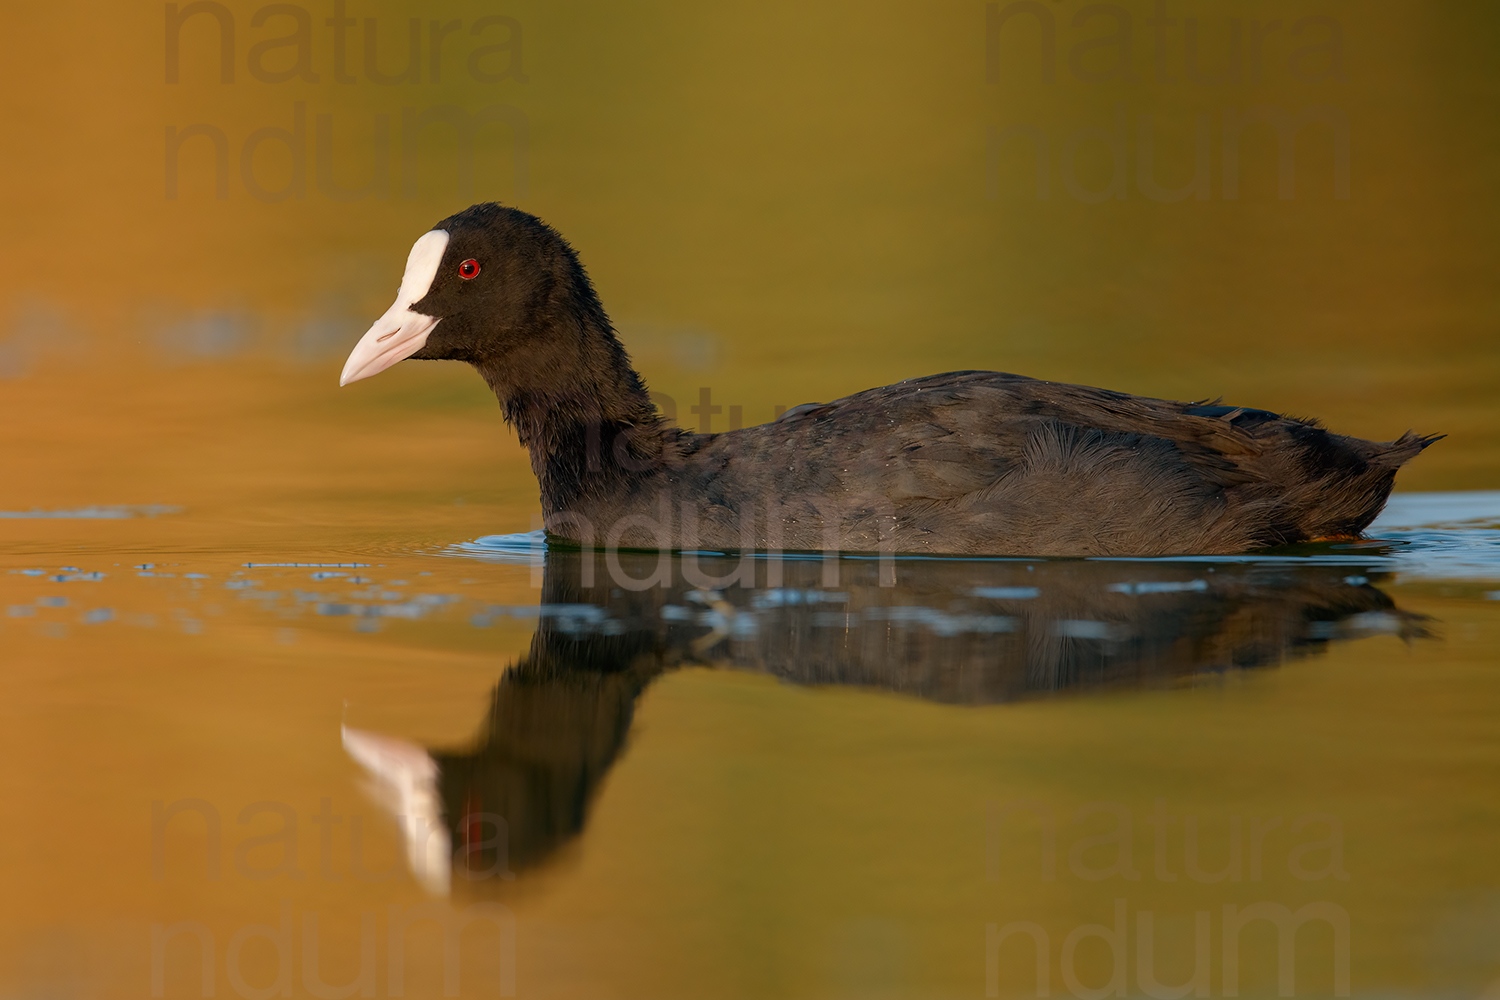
point(469, 269)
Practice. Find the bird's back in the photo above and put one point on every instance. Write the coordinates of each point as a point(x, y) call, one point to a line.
point(988, 462)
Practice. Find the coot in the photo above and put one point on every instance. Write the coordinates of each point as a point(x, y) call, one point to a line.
point(968, 462)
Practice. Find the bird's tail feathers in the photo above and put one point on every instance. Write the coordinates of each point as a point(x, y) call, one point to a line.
point(1394, 454)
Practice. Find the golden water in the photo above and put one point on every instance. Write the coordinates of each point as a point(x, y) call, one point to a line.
point(779, 203)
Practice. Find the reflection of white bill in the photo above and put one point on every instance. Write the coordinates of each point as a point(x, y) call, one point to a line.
point(403, 781)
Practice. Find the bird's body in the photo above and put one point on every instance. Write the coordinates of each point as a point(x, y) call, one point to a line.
point(987, 462)
point(962, 463)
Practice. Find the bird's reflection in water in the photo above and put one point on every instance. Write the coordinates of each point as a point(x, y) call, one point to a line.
point(966, 632)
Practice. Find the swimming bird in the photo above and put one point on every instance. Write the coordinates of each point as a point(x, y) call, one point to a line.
point(970, 462)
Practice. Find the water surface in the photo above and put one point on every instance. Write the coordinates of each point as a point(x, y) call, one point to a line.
point(800, 776)
point(278, 657)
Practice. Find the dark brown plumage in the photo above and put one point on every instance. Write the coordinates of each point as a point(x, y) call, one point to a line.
point(965, 462)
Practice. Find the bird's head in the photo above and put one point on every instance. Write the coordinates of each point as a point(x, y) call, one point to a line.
point(492, 286)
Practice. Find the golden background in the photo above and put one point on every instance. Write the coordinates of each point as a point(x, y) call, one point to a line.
point(781, 202)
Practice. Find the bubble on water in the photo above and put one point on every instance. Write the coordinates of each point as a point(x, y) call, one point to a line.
point(1007, 593)
point(1081, 628)
point(1158, 586)
point(302, 565)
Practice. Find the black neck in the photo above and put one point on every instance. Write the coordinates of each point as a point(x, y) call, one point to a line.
point(593, 434)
